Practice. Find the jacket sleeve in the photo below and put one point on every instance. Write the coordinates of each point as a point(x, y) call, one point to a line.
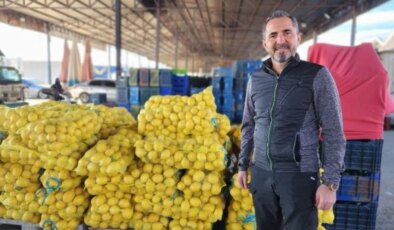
point(329, 114)
point(247, 129)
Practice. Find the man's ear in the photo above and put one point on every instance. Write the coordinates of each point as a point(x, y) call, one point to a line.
point(263, 44)
point(299, 37)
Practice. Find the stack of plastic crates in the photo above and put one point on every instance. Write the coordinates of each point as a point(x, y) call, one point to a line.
point(222, 84)
point(358, 194)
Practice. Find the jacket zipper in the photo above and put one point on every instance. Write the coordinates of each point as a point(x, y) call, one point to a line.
point(271, 117)
point(294, 149)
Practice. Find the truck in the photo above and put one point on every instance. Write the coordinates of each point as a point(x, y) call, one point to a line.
point(11, 88)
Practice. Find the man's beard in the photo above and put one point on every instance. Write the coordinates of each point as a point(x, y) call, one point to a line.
point(282, 57)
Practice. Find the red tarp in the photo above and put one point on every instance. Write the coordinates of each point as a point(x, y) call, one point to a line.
point(87, 67)
point(65, 60)
point(362, 83)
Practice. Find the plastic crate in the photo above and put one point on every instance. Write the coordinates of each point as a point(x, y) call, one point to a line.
point(228, 113)
point(98, 98)
point(122, 95)
point(135, 110)
point(165, 90)
point(145, 94)
point(218, 98)
point(228, 101)
point(223, 72)
point(122, 81)
point(238, 115)
point(228, 83)
point(154, 91)
point(165, 77)
point(359, 188)
point(239, 83)
point(364, 155)
point(252, 65)
point(133, 78)
point(134, 95)
point(127, 106)
point(239, 106)
point(195, 90)
point(217, 83)
point(199, 82)
point(354, 216)
point(154, 77)
point(239, 96)
point(180, 85)
point(144, 77)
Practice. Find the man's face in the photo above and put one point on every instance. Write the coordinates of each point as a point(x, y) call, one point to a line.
point(281, 39)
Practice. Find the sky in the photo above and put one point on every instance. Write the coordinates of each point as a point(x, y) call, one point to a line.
point(27, 45)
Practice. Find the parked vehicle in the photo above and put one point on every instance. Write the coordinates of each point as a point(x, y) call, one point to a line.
point(83, 90)
point(11, 89)
point(33, 90)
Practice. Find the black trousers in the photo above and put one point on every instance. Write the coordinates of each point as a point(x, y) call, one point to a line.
point(284, 200)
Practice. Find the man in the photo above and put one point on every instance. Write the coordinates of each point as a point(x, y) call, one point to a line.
point(287, 103)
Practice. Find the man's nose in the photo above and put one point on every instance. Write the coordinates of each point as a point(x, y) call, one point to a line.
point(280, 39)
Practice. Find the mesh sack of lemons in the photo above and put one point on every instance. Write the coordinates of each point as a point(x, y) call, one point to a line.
point(13, 150)
point(110, 210)
point(73, 127)
point(113, 117)
point(111, 156)
point(16, 214)
point(18, 177)
point(101, 183)
point(197, 183)
point(156, 179)
point(55, 222)
point(191, 153)
point(169, 115)
point(241, 210)
point(67, 205)
point(235, 134)
point(189, 224)
point(12, 119)
point(152, 221)
point(62, 180)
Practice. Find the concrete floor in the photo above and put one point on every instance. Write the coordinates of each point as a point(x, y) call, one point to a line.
point(385, 217)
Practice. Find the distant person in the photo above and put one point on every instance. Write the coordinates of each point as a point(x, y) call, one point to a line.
point(287, 102)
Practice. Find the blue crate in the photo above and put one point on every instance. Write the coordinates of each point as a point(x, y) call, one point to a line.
point(239, 96)
point(364, 155)
point(134, 95)
point(145, 94)
point(133, 77)
point(239, 106)
point(227, 101)
point(359, 188)
point(127, 106)
point(251, 66)
point(165, 77)
point(217, 83)
point(238, 66)
point(238, 116)
point(122, 94)
point(239, 84)
point(180, 85)
point(144, 77)
point(154, 77)
point(223, 72)
point(354, 216)
point(218, 98)
point(228, 83)
point(195, 90)
point(98, 98)
point(165, 90)
point(228, 113)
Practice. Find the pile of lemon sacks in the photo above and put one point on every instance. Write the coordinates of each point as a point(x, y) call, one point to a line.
point(44, 145)
point(186, 134)
point(241, 211)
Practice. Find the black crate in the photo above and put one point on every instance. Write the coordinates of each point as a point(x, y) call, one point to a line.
point(359, 188)
point(98, 98)
point(354, 216)
point(364, 155)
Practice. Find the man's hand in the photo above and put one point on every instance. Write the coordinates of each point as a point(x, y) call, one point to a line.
point(243, 179)
point(325, 198)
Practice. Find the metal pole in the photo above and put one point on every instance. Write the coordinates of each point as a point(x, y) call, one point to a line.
point(109, 62)
point(176, 49)
point(49, 54)
point(187, 60)
point(157, 36)
point(118, 34)
point(354, 24)
point(314, 37)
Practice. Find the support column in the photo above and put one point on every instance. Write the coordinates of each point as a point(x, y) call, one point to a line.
point(118, 36)
point(314, 37)
point(354, 24)
point(176, 49)
point(157, 36)
point(49, 53)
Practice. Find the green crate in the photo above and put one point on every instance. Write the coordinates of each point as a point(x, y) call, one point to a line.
point(133, 78)
point(154, 77)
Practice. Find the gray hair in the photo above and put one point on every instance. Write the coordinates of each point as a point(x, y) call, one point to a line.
point(280, 14)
